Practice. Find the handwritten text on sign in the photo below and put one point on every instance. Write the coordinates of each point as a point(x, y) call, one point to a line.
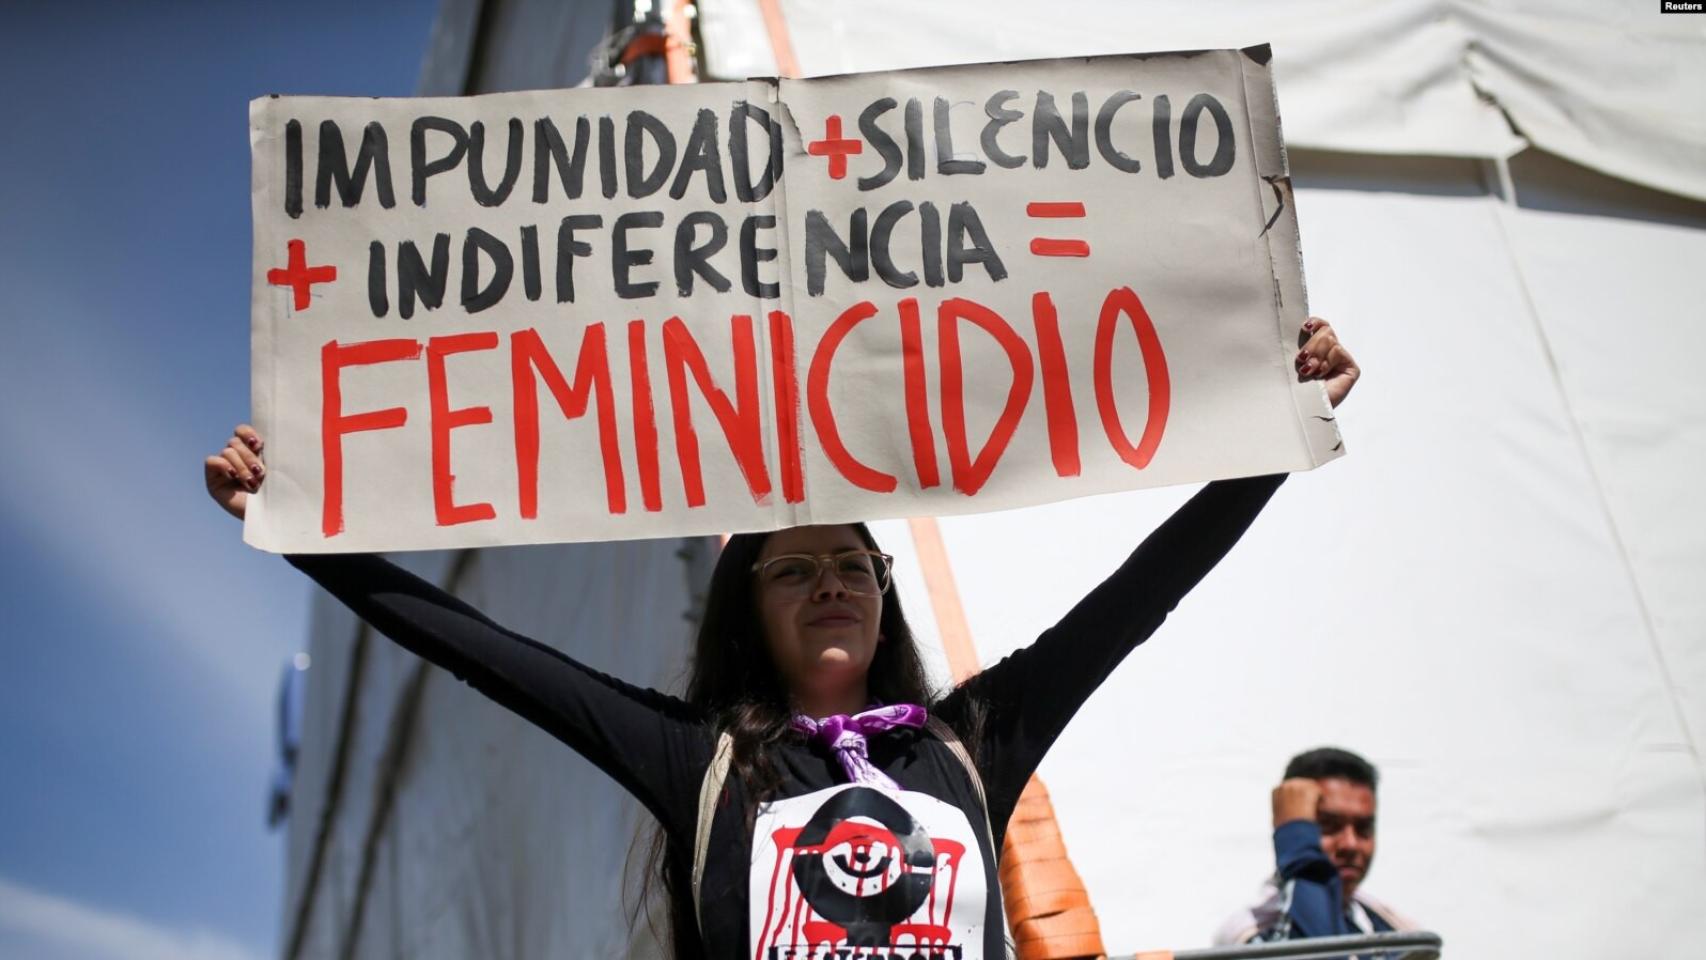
point(599, 314)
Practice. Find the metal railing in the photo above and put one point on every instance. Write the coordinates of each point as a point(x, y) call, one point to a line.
point(1419, 945)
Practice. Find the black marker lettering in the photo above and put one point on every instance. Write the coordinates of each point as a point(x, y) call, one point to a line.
point(751, 255)
point(375, 155)
point(640, 125)
point(946, 164)
point(415, 280)
point(484, 195)
point(999, 117)
point(701, 154)
point(914, 122)
point(530, 261)
point(293, 168)
point(880, 141)
point(930, 243)
point(1223, 147)
point(550, 152)
point(1163, 127)
point(622, 259)
point(1104, 132)
point(377, 301)
point(607, 156)
point(882, 230)
point(474, 297)
point(1047, 124)
point(420, 167)
point(739, 156)
point(568, 248)
point(852, 256)
point(691, 259)
point(963, 224)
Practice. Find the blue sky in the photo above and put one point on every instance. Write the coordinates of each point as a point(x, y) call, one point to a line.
point(142, 641)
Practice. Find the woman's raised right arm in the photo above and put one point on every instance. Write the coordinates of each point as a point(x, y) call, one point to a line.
point(655, 746)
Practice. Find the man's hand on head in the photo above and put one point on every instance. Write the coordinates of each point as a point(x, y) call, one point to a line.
point(1296, 799)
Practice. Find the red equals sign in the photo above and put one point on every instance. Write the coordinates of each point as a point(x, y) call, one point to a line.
point(1050, 246)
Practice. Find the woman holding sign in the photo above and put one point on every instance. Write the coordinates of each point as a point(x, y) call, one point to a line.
point(811, 792)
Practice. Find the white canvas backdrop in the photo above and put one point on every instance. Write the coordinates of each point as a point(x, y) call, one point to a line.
point(1613, 84)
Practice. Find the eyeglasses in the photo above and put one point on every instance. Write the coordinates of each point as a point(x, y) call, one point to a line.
point(864, 573)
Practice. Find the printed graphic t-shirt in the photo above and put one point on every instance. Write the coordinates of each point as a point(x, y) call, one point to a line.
point(826, 866)
point(884, 873)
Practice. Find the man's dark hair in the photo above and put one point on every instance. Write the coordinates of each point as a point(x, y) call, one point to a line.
point(1324, 762)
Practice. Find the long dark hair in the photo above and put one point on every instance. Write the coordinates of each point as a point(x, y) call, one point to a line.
point(734, 681)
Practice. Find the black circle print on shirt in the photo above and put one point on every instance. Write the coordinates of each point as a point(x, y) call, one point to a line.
point(853, 878)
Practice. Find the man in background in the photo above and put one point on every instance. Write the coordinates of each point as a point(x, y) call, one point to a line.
point(1323, 846)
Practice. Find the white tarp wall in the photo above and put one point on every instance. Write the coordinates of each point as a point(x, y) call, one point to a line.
point(1611, 84)
point(1496, 596)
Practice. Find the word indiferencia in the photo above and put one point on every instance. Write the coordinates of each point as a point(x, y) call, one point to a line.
point(698, 246)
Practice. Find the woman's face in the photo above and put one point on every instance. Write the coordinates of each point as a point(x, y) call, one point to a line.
point(821, 632)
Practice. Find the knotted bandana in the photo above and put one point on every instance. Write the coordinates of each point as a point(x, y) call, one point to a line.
point(845, 736)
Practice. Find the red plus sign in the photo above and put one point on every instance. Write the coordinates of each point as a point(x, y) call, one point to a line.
point(299, 275)
point(835, 148)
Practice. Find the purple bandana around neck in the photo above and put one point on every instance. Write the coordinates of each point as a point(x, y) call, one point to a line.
point(845, 736)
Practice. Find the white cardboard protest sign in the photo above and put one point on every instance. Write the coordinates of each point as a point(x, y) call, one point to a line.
point(607, 313)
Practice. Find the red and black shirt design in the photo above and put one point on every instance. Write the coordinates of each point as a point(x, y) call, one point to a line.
point(859, 872)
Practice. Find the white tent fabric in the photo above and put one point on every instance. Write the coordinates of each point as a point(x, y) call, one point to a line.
point(1611, 85)
point(1495, 596)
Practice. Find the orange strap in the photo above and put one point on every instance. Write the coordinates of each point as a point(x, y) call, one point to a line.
point(1073, 923)
point(678, 52)
point(944, 597)
point(1052, 901)
point(777, 26)
point(1023, 881)
point(1047, 905)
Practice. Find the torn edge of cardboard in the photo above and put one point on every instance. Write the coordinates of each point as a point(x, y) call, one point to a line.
point(1315, 420)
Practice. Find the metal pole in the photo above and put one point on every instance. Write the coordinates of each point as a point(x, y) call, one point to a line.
point(1419, 945)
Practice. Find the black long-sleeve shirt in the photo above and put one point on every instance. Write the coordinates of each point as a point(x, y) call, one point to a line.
point(810, 870)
